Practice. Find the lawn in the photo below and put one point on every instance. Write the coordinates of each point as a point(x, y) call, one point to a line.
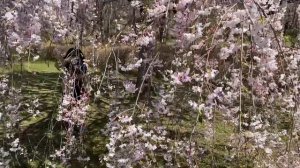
point(42, 134)
point(37, 66)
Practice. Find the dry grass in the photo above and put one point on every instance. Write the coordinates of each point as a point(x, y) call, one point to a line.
point(99, 55)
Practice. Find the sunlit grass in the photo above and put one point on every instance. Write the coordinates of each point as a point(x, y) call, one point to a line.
point(49, 67)
point(37, 66)
point(41, 80)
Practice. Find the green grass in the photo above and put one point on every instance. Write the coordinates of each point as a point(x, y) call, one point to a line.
point(37, 66)
point(41, 67)
point(43, 134)
point(290, 37)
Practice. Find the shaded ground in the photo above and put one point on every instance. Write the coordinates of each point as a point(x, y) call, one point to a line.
point(42, 134)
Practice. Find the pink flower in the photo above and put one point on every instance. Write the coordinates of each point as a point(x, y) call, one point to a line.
point(181, 77)
point(144, 40)
point(9, 16)
point(157, 11)
point(129, 87)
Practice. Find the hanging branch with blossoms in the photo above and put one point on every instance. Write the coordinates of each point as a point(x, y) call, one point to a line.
point(72, 113)
point(229, 58)
point(226, 93)
point(250, 46)
point(10, 148)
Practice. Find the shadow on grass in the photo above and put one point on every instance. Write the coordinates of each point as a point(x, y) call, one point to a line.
point(42, 135)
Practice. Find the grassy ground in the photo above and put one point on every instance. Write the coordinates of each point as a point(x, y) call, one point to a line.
point(42, 134)
point(38, 66)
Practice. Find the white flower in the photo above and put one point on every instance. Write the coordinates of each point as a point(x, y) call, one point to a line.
point(35, 38)
point(150, 146)
point(225, 52)
point(65, 102)
point(189, 37)
point(144, 40)
point(36, 57)
point(132, 66)
point(19, 49)
point(277, 25)
point(248, 134)
point(157, 11)
point(123, 161)
point(15, 143)
point(135, 3)
point(268, 151)
point(125, 119)
point(197, 89)
point(181, 77)
point(183, 4)
point(204, 12)
point(56, 2)
point(83, 159)
point(4, 153)
point(9, 15)
point(193, 104)
point(97, 94)
point(131, 130)
point(211, 74)
point(168, 157)
point(129, 87)
point(200, 29)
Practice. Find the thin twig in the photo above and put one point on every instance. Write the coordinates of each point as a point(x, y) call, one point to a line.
point(140, 89)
